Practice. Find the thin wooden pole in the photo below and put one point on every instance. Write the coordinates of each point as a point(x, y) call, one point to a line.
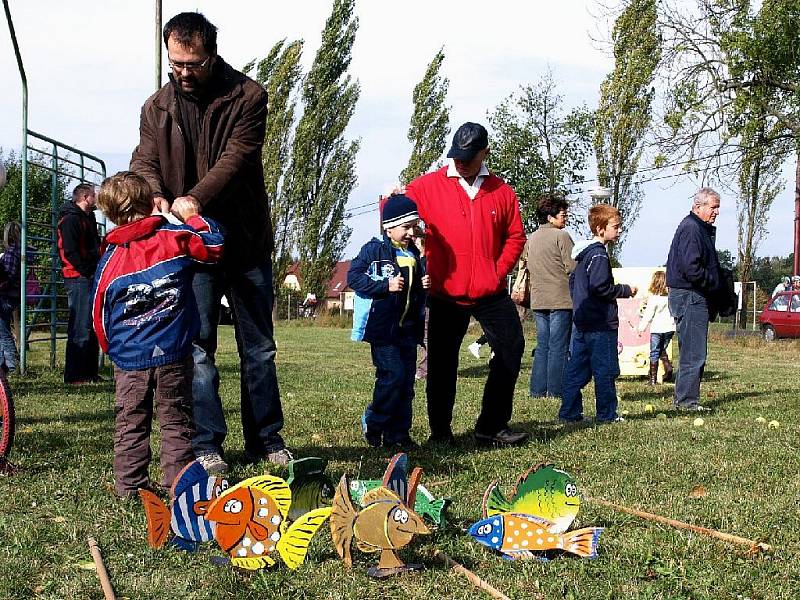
point(734, 539)
point(105, 582)
point(470, 576)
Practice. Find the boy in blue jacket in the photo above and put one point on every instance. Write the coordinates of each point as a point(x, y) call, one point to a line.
point(388, 278)
point(145, 316)
point(594, 338)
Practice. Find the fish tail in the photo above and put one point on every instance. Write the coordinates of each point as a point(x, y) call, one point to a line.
point(494, 502)
point(583, 542)
point(293, 545)
point(253, 563)
point(343, 515)
point(158, 518)
point(435, 510)
point(184, 544)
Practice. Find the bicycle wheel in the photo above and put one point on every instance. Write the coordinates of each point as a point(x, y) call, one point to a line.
point(7, 420)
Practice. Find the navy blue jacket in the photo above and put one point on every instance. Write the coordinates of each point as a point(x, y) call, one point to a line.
point(594, 294)
point(692, 263)
point(381, 317)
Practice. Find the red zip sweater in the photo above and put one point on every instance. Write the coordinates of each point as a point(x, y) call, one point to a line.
point(470, 245)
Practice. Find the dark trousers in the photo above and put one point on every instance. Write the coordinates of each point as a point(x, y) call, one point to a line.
point(170, 386)
point(690, 311)
point(447, 326)
point(390, 409)
point(250, 296)
point(80, 363)
point(592, 354)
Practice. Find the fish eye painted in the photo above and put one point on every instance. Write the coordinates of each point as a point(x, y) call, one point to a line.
point(233, 506)
point(485, 529)
point(400, 516)
point(571, 490)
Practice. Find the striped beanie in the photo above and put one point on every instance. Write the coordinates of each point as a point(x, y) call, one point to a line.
point(398, 210)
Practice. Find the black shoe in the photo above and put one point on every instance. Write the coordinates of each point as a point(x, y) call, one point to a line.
point(504, 437)
point(444, 439)
point(403, 445)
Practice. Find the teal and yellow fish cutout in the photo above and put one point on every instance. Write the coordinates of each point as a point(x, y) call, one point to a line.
point(543, 491)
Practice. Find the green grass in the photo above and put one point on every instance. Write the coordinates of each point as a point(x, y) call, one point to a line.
point(750, 473)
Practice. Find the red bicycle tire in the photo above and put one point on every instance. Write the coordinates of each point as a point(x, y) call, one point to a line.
point(7, 419)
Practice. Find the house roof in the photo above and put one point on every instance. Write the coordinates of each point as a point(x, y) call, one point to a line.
point(338, 282)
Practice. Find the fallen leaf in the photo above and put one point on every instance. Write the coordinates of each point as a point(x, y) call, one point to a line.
point(87, 566)
point(58, 520)
point(698, 491)
point(38, 589)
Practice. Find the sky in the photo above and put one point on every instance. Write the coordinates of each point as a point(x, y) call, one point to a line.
point(90, 66)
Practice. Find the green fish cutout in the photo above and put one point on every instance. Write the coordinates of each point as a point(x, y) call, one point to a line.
point(543, 491)
point(425, 504)
point(310, 485)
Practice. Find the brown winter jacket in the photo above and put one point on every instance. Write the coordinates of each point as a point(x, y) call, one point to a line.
point(549, 263)
point(230, 185)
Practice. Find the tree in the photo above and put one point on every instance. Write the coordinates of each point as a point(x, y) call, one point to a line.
point(280, 73)
point(429, 126)
point(537, 147)
point(322, 168)
point(623, 117)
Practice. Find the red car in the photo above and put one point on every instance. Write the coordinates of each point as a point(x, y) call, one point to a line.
point(781, 316)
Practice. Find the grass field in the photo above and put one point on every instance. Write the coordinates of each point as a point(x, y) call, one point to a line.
point(750, 474)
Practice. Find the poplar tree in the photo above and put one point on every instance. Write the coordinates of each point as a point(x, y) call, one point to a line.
point(430, 123)
point(623, 118)
point(322, 169)
point(280, 74)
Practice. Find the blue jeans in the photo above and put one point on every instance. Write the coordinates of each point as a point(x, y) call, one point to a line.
point(690, 311)
point(80, 362)
point(549, 357)
point(250, 296)
point(592, 354)
point(390, 409)
point(9, 359)
point(658, 344)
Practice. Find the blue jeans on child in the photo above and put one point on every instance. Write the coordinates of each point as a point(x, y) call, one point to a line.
point(592, 354)
point(8, 347)
point(658, 344)
point(549, 358)
point(390, 410)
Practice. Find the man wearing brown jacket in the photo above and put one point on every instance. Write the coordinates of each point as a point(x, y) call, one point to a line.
point(201, 139)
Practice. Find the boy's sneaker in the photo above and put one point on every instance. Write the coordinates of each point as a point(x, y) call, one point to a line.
point(373, 438)
point(403, 445)
point(504, 437)
point(475, 349)
point(280, 457)
point(212, 462)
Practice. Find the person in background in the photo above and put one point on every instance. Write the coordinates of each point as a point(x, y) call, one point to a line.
point(9, 295)
point(785, 285)
point(79, 247)
point(795, 283)
point(548, 258)
point(594, 304)
point(662, 326)
point(693, 277)
point(146, 316)
point(389, 281)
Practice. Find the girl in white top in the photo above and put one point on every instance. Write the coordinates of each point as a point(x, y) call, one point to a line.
point(662, 326)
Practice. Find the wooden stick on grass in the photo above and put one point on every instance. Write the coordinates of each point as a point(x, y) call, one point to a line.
point(734, 539)
point(471, 577)
point(105, 582)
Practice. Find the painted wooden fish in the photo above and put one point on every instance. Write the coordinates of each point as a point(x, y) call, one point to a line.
point(250, 520)
point(383, 525)
point(519, 536)
point(425, 504)
point(192, 492)
point(311, 487)
point(543, 491)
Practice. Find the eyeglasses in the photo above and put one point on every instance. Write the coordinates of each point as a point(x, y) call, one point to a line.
point(191, 67)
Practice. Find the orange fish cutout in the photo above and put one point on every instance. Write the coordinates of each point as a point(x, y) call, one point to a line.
point(250, 520)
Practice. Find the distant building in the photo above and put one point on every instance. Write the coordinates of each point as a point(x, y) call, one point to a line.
point(292, 279)
point(338, 295)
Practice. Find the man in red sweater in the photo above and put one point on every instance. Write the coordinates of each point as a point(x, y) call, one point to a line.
point(474, 236)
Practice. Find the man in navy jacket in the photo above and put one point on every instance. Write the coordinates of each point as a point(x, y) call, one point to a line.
point(693, 278)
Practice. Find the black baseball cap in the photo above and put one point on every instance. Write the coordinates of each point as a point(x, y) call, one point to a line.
point(469, 139)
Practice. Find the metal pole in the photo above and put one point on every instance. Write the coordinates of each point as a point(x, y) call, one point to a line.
point(53, 244)
point(158, 45)
point(797, 218)
point(23, 271)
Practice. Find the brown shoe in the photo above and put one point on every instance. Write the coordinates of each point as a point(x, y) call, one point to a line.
point(653, 376)
point(668, 371)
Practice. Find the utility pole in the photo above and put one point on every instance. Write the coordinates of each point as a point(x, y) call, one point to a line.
point(158, 45)
point(797, 218)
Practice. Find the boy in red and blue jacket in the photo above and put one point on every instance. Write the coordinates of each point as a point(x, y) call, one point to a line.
point(146, 317)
